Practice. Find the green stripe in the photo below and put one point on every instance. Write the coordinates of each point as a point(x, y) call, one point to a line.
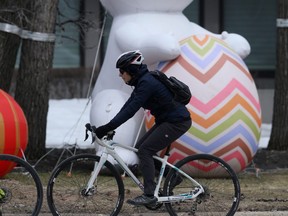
point(239, 115)
point(203, 51)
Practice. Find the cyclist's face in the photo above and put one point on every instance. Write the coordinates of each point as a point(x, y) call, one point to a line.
point(125, 76)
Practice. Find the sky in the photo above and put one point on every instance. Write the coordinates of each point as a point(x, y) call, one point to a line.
point(67, 118)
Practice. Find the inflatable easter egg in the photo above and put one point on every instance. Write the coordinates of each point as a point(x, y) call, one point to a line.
point(13, 130)
point(225, 106)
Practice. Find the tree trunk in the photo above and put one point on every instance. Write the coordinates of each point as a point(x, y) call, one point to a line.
point(9, 43)
point(279, 133)
point(32, 80)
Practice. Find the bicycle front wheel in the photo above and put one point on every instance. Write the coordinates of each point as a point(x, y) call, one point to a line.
point(67, 185)
point(21, 189)
point(221, 187)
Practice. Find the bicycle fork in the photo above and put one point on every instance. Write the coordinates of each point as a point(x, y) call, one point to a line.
point(96, 170)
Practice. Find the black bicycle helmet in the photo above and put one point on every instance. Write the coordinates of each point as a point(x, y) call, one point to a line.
point(129, 58)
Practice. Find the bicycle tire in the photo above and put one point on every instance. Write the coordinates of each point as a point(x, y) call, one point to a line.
point(16, 199)
point(74, 173)
point(220, 182)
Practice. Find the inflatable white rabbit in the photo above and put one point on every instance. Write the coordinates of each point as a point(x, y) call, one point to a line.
point(154, 27)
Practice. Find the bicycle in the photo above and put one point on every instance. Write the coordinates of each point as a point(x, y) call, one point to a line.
point(95, 182)
point(14, 197)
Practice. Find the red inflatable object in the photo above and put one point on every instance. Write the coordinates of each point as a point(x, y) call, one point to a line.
point(13, 130)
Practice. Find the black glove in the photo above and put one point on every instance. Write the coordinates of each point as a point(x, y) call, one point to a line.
point(103, 130)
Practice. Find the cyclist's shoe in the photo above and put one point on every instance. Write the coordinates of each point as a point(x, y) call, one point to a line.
point(142, 200)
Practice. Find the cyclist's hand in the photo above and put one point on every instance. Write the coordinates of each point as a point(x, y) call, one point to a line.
point(102, 131)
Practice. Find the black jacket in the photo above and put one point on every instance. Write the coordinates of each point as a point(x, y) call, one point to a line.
point(149, 93)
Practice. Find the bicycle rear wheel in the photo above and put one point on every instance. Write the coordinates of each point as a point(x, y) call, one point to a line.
point(21, 189)
point(67, 184)
point(221, 185)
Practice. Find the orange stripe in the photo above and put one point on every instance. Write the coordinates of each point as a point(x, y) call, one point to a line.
point(9, 125)
point(22, 127)
point(17, 131)
point(2, 133)
point(7, 122)
point(199, 41)
point(227, 148)
point(211, 72)
point(237, 143)
point(217, 116)
point(236, 100)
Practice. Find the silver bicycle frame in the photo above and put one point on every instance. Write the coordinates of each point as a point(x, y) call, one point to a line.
point(109, 149)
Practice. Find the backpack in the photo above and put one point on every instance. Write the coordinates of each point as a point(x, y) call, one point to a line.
point(179, 89)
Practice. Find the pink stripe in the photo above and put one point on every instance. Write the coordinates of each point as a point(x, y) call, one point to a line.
point(206, 108)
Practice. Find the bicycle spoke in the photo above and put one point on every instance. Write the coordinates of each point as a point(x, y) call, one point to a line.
point(73, 198)
point(14, 198)
point(221, 187)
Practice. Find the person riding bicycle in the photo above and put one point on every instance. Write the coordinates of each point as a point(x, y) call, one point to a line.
point(172, 119)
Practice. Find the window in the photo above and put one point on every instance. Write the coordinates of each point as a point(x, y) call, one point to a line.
point(256, 21)
point(192, 12)
point(67, 46)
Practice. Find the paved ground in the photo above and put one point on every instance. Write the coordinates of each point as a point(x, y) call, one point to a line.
point(237, 214)
point(278, 213)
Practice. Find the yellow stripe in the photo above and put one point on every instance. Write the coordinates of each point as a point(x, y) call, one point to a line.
point(16, 121)
point(2, 134)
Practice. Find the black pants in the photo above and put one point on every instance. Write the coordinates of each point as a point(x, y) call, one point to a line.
point(156, 139)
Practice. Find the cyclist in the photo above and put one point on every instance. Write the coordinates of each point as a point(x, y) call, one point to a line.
point(172, 119)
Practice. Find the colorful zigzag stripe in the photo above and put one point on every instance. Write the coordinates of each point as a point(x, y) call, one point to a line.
point(225, 107)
